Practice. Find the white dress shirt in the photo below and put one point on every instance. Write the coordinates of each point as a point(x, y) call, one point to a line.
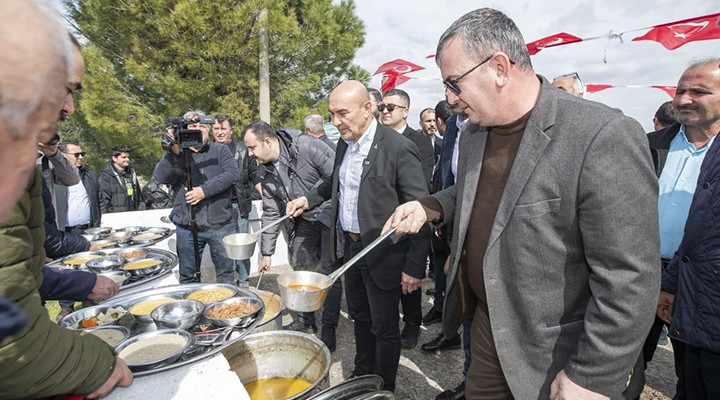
point(78, 212)
point(350, 172)
point(460, 123)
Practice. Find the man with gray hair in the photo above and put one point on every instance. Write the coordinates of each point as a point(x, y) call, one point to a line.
point(315, 127)
point(38, 359)
point(570, 83)
point(561, 288)
point(214, 174)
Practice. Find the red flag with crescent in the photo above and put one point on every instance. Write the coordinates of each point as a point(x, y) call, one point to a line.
point(557, 39)
point(391, 81)
point(675, 34)
point(397, 67)
point(593, 88)
point(670, 90)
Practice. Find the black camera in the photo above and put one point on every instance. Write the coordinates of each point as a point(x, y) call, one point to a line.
point(183, 136)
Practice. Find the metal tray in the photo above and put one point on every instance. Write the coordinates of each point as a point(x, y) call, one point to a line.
point(135, 231)
point(196, 352)
point(170, 261)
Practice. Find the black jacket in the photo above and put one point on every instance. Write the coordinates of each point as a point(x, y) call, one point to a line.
point(89, 179)
point(247, 166)
point(113, 192)
point(156, 197)
point(59, 243)
point(425, 150)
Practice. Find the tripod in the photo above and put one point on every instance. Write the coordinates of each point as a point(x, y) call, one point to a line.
point(193, 225)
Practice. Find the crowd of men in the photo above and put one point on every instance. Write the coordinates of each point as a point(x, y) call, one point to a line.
point(561, 238)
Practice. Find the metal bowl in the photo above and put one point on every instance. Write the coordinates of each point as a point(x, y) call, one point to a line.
point(209, 293)
point(71, 320)
point(239, 246)
point(132, 253)
point(118, 277)
point(181, 314)
point(101, 231)
point(142, 343)
point(103, 244)
point(78, 260)
point(102, 333)
point(162, 231)
point(105, 264)
point(241, 320)
point(133, 229)
point(145, 317)
point(120, 237)
point(146, 238)
point(133, 269)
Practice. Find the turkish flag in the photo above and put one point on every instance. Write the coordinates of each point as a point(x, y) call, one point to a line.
point(675, 34)
point(398, 66)
point(667, 89)
point(596, 87)
point(391, 81)
point(557, 39)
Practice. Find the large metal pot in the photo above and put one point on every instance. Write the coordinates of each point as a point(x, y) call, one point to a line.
point(272, 320)
point(305, 291)
point(281, 354)
point(352, 389)
point(241, 246)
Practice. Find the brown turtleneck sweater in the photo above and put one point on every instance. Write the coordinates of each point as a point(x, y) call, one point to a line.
point(485, 379)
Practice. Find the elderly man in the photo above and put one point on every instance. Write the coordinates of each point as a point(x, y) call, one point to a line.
point(315, 127)
point(376, 169)
point(570, 83)
point(214, 174)
point(42, 359)
point(562, 288)
point(690, 287)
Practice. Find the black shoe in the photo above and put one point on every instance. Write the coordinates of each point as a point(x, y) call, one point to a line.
point(328, 337)
point(432, 317)
point(298, 326)
point(440, 343)
point(410, 335)
point(453, 394)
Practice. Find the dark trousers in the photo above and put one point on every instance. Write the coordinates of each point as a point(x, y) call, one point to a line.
point(467, 328)
point(440, 253)
point(412, 307)
point(224, 267)
point(702, 373)
point(376, 319)
point(331, 308)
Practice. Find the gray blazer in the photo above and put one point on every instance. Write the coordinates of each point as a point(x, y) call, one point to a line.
point(571, 264)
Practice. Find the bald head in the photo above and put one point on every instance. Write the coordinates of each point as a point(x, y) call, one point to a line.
point(351, 110)
point(37, 56)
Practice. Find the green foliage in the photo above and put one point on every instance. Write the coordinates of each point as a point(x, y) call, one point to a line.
point(149, 59)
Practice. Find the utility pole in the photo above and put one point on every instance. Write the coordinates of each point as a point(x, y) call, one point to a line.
point(264, 72)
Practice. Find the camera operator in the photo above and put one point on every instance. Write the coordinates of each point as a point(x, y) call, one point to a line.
point(213, 173)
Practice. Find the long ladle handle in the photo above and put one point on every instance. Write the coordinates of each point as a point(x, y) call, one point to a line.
point(336, 274)
point(270, 225)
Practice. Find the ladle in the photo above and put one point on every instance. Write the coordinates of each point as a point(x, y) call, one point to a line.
point(241, 246)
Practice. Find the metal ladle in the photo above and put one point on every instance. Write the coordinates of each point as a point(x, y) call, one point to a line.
point(241, 246)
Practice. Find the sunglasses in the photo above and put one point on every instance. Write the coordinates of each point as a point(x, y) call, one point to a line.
point(452, 84)
point(80, 154)
point(390, 107)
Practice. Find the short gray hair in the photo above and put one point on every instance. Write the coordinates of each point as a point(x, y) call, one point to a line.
point(21, 77)
point(315, 123)
point(485, 31)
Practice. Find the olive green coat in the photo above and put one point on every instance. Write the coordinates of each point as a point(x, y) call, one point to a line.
point(43, 359)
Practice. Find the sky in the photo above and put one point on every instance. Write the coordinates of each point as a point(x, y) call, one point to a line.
point(409, 30)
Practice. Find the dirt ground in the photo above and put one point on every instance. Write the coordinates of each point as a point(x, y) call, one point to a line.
point(422, 375)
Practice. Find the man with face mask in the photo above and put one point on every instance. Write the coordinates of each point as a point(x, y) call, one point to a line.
point(214, 174)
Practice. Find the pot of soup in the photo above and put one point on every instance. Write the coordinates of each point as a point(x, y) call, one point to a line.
point(305, 291)
point(280, 365)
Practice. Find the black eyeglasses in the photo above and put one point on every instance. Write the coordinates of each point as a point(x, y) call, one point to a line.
point(452, 84)
point(390, 107)
point(82, 153)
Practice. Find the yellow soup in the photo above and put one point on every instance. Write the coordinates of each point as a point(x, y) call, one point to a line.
point(275, 388)
point(79, 260)
point(208, 296)
point(142, 264)
point(146, 307)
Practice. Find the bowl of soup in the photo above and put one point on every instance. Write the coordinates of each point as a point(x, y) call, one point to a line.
point(142, 308)
point(112, 334)
point(146, 266)
point(154, 349)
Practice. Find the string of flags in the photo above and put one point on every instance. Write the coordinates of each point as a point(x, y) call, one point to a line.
point(671, 35)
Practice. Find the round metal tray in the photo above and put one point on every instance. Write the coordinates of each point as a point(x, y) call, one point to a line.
point(198, 351)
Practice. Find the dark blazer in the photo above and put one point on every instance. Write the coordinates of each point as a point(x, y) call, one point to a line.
point(391, 175)
point(89, 179)
point(659, 142)
point(451, 133)
point(425, 150)
point(571, 262)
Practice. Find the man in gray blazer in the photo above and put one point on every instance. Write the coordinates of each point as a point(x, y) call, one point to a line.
point(555, 246)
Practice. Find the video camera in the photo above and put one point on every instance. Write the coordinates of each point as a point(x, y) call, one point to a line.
point(183, 136)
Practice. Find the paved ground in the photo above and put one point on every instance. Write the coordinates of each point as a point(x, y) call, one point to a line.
point(422, 375)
